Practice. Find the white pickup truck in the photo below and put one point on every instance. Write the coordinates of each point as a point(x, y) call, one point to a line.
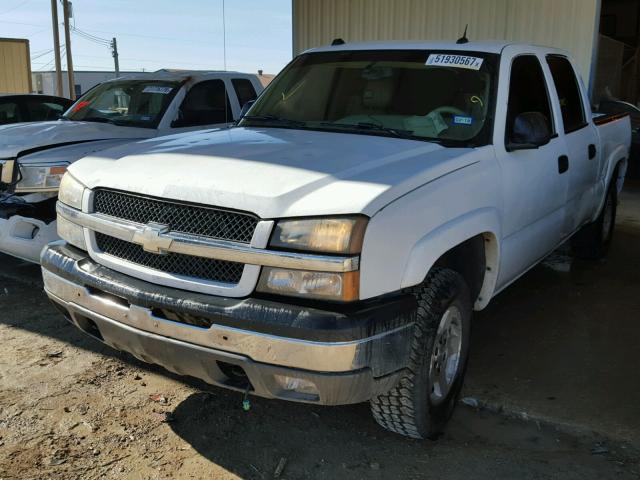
point(33, 157)
point(332, 247)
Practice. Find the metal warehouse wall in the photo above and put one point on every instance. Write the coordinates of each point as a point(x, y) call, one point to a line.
point(568, 24)
point(15, 66)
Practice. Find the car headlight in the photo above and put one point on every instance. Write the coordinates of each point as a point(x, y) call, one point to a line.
point(71, 192)
point(335, 235)
point(343, 287)
point(326, 235)
point(40, 178)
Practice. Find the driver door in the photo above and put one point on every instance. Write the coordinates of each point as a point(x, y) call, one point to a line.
point(534, 180)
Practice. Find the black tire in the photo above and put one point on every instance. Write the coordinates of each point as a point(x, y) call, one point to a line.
point(592, 241)
point(409, 408)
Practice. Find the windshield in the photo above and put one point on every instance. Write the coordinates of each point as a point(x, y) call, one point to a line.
point(131, 103)
point(424, 95)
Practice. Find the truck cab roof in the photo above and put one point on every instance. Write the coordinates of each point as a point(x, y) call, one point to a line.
point(178, 75)
point(488, 46)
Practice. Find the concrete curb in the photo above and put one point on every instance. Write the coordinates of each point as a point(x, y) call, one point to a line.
point(570, 428)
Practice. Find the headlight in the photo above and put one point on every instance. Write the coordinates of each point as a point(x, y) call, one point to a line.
point(71, 192)
point(40, 178)
point(72, 233)
point(327, 235)
point(335, 235)
point(318, 285)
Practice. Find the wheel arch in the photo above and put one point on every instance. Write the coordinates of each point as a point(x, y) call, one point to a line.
point(469, 245)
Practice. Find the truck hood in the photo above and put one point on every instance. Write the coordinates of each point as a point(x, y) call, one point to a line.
point(274, 172)
point(21, 137)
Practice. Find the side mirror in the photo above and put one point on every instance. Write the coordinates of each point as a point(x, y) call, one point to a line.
point(530, 130)
point(246, 107)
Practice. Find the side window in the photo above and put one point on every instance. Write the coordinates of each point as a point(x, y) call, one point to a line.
point(527, 91)
point(9, 113)
point(205, 104)
point(41, 111)
point(569, 96)
point(244, 90)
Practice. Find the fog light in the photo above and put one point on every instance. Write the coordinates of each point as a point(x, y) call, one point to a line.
point(72, 233)
point(298, 385)
point(308, 284)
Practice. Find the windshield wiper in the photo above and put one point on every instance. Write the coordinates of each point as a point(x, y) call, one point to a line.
point(104, 120)
point(372, 126)
point(97, 119)
point(408, 134)
point(275, 119)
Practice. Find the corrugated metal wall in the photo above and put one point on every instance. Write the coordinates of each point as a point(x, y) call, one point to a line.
point(15, 66)
point(567, 24)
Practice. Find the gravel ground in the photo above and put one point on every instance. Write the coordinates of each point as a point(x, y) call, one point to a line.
point(72, 408)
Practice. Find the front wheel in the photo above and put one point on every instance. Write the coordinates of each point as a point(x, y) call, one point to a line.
point(593, 240)
point(424, 399)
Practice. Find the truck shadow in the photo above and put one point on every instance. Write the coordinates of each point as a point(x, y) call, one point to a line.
point(345, 442)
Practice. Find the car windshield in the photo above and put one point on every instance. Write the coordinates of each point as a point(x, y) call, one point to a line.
point(440, 96)
point(131, 103)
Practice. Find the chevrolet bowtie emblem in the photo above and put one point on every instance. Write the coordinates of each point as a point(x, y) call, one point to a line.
point(152, 239)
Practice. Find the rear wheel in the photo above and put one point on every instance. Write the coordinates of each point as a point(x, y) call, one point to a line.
point(424, 399)
point(593, 240)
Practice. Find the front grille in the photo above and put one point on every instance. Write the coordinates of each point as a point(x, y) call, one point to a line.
point(174, 263)
point(180, 217)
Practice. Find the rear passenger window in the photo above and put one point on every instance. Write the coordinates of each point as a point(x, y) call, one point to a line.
point(42, 111)
point(9, 113)
point(564, 78)
point(244, 90)
point(527, 91)
point(206, 103)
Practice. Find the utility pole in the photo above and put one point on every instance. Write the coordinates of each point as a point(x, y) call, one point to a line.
point(67, 38)
point(114, 53)
point(56, 46)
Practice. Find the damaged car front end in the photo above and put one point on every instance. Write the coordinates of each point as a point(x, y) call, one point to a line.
point(29, 184)
point(28, 193)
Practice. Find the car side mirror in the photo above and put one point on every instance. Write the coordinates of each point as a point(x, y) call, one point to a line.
point(530, 130)
point(246, 107)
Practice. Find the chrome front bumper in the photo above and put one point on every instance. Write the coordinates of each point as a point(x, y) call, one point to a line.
point(268, 341)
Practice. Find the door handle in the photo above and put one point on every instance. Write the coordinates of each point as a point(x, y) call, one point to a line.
point(592, 151)
point(563, 164)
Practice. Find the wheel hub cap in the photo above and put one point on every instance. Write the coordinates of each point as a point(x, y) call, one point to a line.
point(445, 357)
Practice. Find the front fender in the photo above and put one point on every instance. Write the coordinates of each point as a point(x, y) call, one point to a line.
point(484, 221)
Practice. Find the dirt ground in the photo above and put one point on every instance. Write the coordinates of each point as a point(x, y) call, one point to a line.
point(73, 409)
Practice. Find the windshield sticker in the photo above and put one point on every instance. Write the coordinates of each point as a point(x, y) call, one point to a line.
point(462, 120)
point(459, 61)
point(157, 89)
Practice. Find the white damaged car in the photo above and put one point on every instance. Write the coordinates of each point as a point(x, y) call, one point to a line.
point(34, 156)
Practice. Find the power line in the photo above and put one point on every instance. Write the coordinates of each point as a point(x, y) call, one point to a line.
point(63, 53)
point(125, 34)
point(16, 7)
point(90, 37)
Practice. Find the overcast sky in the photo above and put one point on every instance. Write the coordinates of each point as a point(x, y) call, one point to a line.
point(153, 34)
